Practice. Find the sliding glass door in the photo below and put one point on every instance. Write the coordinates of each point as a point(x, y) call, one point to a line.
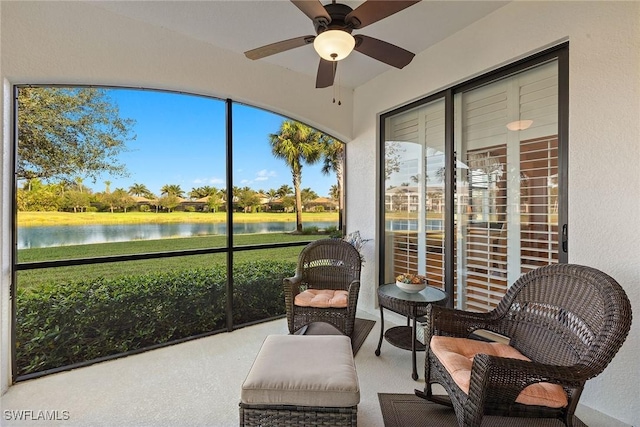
point(506, 138)
point(473, 182)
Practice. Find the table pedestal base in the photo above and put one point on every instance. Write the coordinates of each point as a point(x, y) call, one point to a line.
point(412, 306)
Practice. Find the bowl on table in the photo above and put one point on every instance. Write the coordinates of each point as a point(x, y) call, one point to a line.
point(412, 288)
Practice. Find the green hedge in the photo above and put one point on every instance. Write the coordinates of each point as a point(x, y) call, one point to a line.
point(65, 323)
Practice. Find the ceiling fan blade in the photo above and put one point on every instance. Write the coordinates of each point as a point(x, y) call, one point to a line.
point(383, 51)
point(373, 10)
point(278, 47)
point(326, 73)
point(313, 9)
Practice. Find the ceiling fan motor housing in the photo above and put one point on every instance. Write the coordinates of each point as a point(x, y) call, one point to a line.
point(338, 13)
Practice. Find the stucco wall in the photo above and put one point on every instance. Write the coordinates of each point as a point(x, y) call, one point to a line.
point(75, 43)
point(604, 144)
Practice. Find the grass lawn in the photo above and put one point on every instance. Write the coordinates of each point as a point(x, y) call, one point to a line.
point(26, 219)
point(30, 278)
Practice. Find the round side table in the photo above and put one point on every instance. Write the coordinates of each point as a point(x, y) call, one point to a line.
point(411, 305)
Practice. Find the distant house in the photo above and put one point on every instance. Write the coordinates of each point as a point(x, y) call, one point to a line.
point(403, 198)
point(201, 204)
point(140, 200)
point(323, 203)
point(263, 198)
point(407, 199)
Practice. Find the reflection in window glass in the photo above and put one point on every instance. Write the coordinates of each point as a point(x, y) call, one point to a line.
point(414, 193)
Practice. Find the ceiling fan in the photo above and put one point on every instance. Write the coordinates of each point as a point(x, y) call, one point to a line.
point(333, 41)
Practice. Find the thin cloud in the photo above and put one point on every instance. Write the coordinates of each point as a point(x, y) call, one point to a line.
point(208, 181)
point(265, 175)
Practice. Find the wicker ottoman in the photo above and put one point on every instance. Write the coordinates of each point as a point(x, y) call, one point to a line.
point(299, 380)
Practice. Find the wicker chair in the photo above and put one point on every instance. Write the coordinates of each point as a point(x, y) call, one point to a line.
point(332, 264)
point(569, 320)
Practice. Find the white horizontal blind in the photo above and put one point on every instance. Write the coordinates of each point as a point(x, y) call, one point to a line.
point(433, 212)
point(539, 203)
point(486, 237)
point(485, 112)
point(539, 168)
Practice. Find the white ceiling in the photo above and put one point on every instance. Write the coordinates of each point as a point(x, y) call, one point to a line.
point(241, 25)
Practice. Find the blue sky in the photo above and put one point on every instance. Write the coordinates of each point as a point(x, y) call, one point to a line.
point(181, 140)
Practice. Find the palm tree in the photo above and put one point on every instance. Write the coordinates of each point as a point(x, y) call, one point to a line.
point(333, 161)
point(334, 193)
point(200, 192)
point(139, 190)
point(284, 190)
point(172, 190)
point(296, 144)
point(272, 194)
point(307, 195)
point(63, 186)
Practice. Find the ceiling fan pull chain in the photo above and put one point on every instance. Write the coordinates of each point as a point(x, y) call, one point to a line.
point(334, 79)
point(336, 89)
point(339, 102)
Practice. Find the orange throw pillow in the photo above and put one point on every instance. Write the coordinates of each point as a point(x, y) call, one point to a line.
point(456, 355)
point(322, 298)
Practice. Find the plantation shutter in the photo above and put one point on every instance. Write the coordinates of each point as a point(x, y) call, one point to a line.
point(485, 113)
point(539, 169)
point(508, 204)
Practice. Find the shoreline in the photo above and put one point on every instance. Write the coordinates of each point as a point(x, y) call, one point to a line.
point(41, 219)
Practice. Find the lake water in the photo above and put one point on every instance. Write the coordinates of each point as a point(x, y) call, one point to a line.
point(43, 237)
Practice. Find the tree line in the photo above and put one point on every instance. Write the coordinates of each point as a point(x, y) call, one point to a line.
point(36, 196)
point(68, 134)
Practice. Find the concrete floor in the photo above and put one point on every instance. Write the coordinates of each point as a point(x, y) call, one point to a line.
point(196, 383)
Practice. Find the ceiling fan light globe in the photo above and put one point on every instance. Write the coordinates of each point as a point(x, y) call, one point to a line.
point(334, 45)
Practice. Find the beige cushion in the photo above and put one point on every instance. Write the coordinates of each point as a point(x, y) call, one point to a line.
point(303, 370)
point(322, 298)
point(456, 355)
